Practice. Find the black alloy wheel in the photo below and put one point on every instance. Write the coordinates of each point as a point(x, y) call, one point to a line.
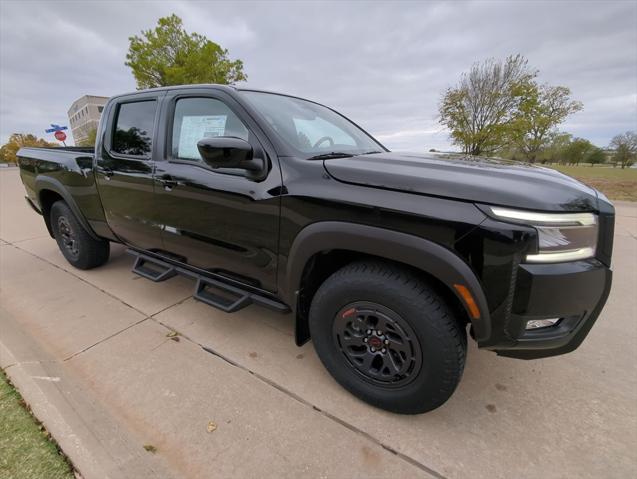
point(378, 343)
point(68, 237)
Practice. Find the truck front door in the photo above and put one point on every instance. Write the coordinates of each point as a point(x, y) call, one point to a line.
point(125, 167)
point(214, 219)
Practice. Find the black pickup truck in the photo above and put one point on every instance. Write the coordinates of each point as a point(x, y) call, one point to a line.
point(385, 259)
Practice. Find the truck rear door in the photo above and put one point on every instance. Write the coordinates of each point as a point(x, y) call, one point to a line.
point(125, 155)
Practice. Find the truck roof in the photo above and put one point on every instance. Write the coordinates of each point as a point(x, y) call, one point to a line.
point(216, 86)
point(178, 87)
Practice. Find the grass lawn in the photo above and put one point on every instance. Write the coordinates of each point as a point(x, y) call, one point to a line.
point(25, 448)
point(615, 183)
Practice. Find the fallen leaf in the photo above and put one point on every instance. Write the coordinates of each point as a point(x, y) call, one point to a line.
point(172, 334)
point(150, 448)
point(211, 426)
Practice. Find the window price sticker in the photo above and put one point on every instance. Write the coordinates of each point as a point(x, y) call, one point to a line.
point(195, 128)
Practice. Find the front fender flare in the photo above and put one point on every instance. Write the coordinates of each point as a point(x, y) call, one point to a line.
point(425, 255)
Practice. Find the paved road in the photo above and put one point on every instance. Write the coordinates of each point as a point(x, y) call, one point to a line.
point(90, 352)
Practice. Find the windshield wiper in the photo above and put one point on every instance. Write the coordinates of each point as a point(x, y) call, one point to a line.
point(333, 154)
point(370, 152)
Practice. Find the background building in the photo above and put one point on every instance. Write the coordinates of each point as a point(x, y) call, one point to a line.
point(84, 116)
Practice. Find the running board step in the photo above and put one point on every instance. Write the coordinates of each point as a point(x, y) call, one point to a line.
point(153, 270)
point(214, 292)
point(233, 299)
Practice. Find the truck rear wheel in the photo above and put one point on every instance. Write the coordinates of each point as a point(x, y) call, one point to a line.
point(387, 337)
point(77, 246)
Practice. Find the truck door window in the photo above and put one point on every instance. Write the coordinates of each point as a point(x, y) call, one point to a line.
point(198, 118)
point(133, 133)
point(310, 132)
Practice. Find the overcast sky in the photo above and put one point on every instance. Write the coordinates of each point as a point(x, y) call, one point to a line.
point(385, 65)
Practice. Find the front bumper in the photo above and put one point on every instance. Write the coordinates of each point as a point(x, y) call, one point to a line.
point(574, 292)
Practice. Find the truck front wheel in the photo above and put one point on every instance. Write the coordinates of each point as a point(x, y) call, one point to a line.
point(77, 246)
point(387, 337)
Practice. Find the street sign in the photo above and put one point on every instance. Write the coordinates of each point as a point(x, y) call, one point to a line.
point(60, 135)
point(55, 128)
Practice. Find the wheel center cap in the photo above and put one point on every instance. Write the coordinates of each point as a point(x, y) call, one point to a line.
point(375, 342)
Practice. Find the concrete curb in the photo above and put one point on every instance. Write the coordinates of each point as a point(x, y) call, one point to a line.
point(96, 443)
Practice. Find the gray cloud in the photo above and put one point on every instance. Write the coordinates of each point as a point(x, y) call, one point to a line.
point(385, 65)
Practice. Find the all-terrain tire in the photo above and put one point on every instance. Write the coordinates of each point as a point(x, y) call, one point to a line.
point(432, 346)
point(78, 247)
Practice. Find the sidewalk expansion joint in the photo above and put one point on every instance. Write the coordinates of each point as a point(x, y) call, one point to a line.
point(77, 353)
point(265, 380)
point(303, 401)
point(111, 295)
point(181, 301)
point(23, 363)
point(26, 239)
point(326, 414)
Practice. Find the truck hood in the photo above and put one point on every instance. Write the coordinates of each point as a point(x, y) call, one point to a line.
point(480, 180)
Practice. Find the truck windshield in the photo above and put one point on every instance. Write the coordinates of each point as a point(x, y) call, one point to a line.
point(311, 129)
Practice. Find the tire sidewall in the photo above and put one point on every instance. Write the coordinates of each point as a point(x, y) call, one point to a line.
point(422, 393)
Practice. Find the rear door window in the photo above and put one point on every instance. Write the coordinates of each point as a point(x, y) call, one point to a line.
point(134, 125)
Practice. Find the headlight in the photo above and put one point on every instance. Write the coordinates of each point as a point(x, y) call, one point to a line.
point(562, 236)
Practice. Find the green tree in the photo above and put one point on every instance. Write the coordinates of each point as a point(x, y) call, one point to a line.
point(168, 55)
point(480, 108)
point(18, 140)
point(595, 156)
point(540, 110)
point(133, 141)
point(625, 146)
point(558, 142)
point(577, 151)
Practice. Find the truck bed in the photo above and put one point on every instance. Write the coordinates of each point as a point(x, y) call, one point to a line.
point(56, 154)
point(65, 173)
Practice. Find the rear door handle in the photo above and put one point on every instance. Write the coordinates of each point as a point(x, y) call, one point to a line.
point(167, 182)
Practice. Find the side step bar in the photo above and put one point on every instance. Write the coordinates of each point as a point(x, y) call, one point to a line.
point(213, 292)
point(152, 270)
point(233, 301)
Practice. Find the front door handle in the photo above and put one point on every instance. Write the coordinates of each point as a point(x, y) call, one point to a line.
point(106, 171)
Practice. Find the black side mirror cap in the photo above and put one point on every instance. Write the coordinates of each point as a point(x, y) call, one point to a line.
point(230, 152)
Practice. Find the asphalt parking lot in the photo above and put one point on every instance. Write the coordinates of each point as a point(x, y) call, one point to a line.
point(92, 353)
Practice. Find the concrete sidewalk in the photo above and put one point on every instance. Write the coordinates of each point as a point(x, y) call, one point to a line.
point(90, 352)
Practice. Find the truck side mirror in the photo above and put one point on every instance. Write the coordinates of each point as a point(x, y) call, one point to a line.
point(228, 152)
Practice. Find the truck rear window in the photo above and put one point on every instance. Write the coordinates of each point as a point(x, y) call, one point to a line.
point(133, 133)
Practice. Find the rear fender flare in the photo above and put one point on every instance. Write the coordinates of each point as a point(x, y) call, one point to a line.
point(425, 255)
point(46, 183)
